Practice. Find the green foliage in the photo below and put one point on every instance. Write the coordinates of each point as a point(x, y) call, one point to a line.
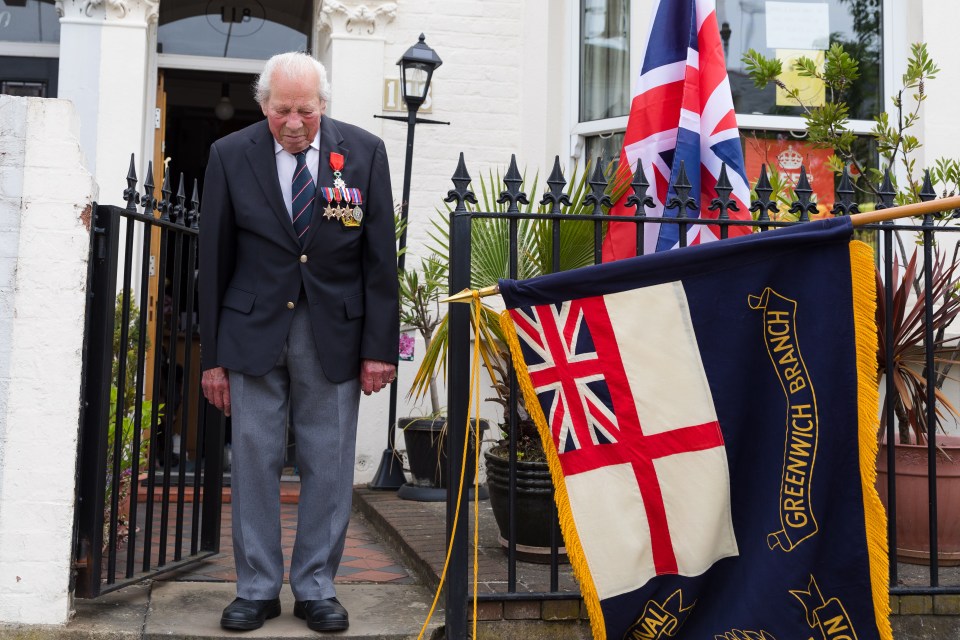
point(420, 293)
point(946, 172)
point(762, 70)
point(135, 419)
point(909, 355)
point(828, 125)
point(489, 262)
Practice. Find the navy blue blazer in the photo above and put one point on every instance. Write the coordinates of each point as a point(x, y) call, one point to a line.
point(252, 265)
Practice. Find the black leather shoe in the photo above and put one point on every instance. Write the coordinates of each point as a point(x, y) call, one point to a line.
point(322, 615)
point(245, 615)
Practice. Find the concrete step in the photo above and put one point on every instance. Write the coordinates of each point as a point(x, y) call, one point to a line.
point(191, 611)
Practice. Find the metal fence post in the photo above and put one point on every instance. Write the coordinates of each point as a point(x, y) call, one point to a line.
point(458, 362)
point(91, 481)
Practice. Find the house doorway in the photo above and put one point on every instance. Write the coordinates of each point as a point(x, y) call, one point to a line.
point(200, 107)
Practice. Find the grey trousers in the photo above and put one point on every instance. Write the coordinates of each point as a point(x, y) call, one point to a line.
point(324, 419)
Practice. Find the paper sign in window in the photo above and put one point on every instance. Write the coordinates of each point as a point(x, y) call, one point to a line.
point(798, 25)
point(811, 91)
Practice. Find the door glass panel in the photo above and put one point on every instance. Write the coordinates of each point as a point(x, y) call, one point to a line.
point(35, 77)
point(29, 21)
point(234, 28)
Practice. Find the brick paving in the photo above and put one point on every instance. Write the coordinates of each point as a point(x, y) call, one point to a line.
point(418, 529)
point(365, 558)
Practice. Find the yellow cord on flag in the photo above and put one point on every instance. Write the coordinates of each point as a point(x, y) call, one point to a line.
point(863, 276)
point(575, 553)
point(473, 406)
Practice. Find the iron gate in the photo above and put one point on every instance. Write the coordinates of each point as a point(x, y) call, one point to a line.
point(134, 488)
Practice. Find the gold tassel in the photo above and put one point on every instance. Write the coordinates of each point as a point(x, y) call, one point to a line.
point(862, 272)
point(578, 559)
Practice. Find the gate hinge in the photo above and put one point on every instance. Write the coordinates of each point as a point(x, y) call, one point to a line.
point(100, 243)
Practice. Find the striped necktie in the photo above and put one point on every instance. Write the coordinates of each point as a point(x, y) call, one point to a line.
point(304, 192)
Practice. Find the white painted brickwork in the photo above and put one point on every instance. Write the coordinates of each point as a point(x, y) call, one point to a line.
point(45, 196)
point(479, 89)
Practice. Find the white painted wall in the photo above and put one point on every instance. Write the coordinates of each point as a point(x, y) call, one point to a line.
point(941, 127)
point(103, 71)
point(493, 89)
point(45, 197)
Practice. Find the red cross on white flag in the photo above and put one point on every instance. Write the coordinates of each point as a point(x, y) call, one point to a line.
point(632, 418)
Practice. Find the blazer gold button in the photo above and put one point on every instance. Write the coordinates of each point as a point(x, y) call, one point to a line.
point(290, 305)
point(303, 258)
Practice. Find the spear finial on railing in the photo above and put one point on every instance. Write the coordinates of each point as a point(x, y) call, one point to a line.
point(682, 200)
point(803, 205)
point(147, 200)
point(640, 185)
point(461, 192)
point(723, 202)
point(763, 206)
point(512, 194)
point(193, 212)
point(598, 187)
point(845, 205)
point(130, 193)
point(179, 209)
point(887, 192)
point(555, 196)
point(165, 193)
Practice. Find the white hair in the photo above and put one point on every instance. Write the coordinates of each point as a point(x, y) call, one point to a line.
point(291, 64)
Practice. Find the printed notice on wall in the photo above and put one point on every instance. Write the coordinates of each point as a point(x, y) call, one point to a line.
point(798, 25)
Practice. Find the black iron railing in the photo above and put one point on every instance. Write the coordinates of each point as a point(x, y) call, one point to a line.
point(134, 489)
point(933, 231)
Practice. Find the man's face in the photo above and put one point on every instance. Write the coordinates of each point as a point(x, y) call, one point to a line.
point(293, 110)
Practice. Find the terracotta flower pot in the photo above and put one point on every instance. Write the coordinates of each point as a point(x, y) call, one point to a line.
point(913, 518)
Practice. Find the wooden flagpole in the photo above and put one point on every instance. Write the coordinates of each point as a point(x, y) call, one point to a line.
point(906, 210)
point(858, 219)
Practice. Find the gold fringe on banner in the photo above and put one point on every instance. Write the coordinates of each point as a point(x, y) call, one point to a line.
point(863, 276)
point(472, 408)
point(578, 559)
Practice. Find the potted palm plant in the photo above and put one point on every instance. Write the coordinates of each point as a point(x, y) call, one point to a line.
point(420, 292)
point(535, 518)
point(490, 261)
point(910, 382)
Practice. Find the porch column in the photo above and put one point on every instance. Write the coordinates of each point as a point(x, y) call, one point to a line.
point(350, 42)
point(103, 71)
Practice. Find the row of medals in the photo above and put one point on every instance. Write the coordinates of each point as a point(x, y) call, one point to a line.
point(349, 216)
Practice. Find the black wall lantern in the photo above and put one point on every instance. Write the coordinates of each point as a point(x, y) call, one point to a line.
point(416, 69)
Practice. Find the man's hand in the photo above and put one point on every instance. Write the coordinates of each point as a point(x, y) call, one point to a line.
point(216, 388)
point(375, 375)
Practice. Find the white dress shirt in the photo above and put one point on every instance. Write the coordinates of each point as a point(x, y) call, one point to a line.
point(287, 164)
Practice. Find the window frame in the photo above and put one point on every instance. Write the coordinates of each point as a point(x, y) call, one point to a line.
point(893, 42)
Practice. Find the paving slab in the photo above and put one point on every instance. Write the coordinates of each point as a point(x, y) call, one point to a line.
point(115, 616)
point(191, 610)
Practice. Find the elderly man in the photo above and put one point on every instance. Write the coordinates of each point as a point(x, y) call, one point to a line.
point(299, 313)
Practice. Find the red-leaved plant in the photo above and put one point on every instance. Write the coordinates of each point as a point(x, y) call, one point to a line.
point(908, 367)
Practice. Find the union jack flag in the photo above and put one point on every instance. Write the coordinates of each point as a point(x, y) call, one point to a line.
point(567, 375)
point(682, 110)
